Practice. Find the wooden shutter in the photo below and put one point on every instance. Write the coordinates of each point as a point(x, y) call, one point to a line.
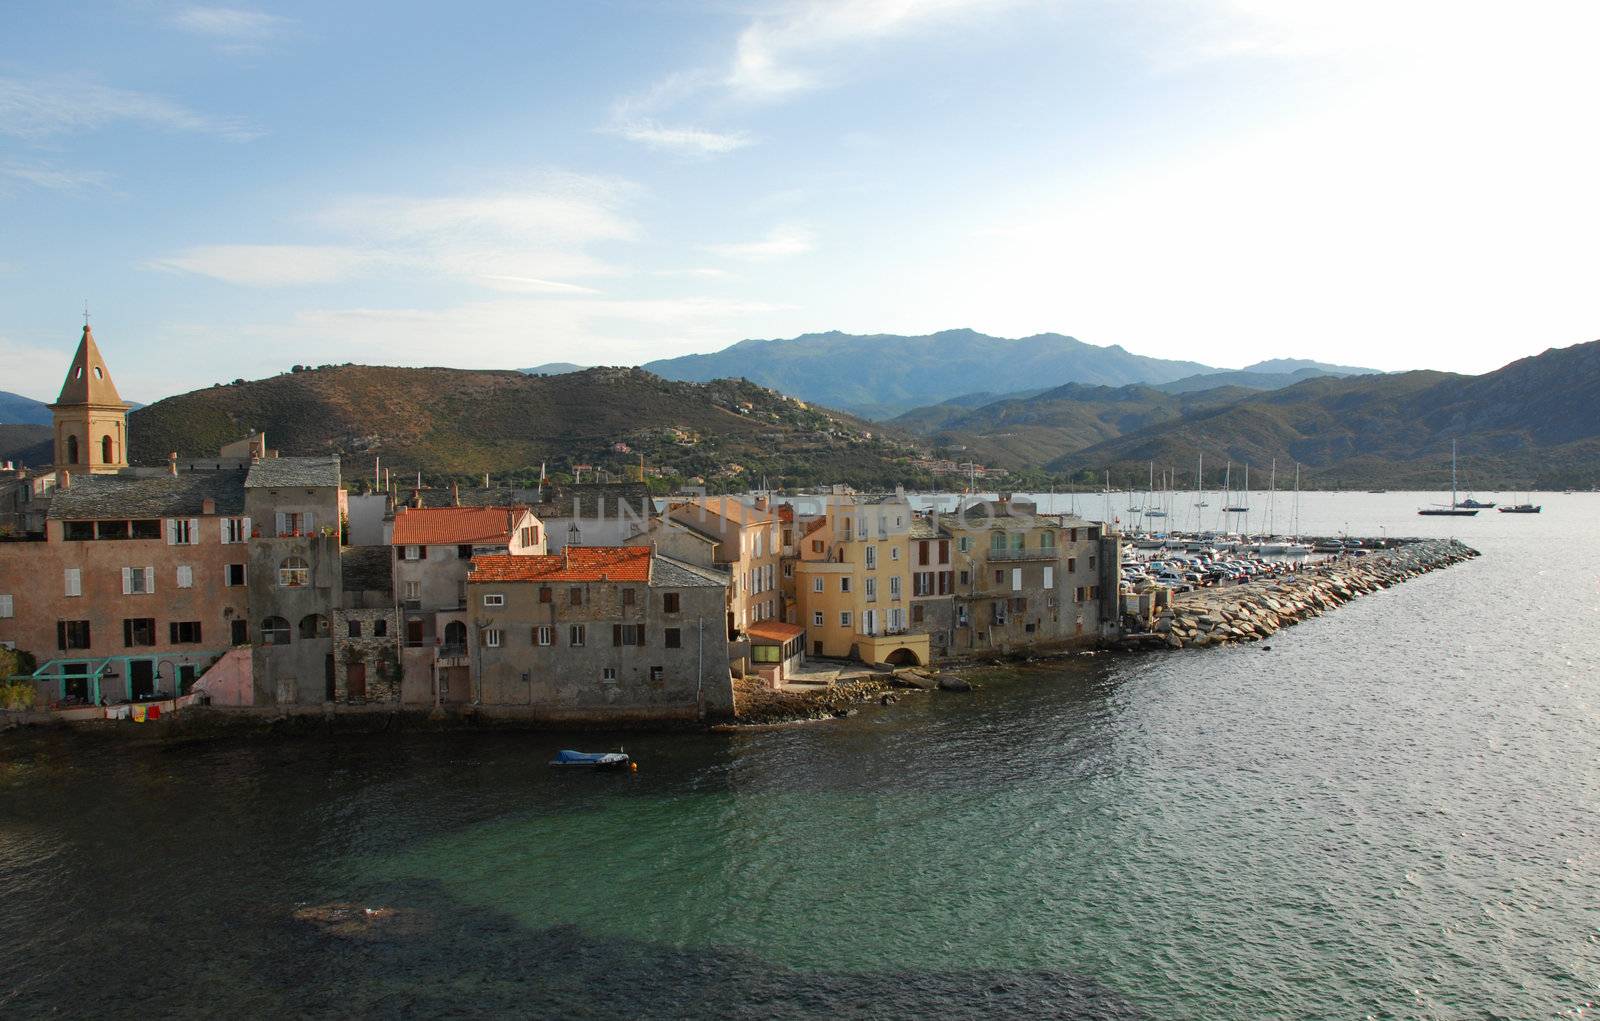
point(127, 632)
point(616, 634)
point(61, 634)
point(422, 552)
point(282, 523)
point(172, 531)
point(150, 579)
point(172, 632)
point(310, 525)
point(638, 632)
point(127, 580)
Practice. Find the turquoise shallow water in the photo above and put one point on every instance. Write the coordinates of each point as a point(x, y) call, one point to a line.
point(1393, 813)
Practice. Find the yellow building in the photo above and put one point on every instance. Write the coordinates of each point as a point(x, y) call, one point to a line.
point(851, 569)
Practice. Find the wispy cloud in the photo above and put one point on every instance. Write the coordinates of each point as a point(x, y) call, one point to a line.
point(235, 30)
point(46, 175)
point(40, 108)
point(783, 240)
point(268, 265)
point(528, 240)
point(688, 141)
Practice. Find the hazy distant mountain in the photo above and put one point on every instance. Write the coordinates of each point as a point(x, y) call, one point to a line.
point(881, 375)
point(554, 369)
point(1533, 422)
point(1284, 365)
point(16, 409)
point(1247, 378)
point(29, 445)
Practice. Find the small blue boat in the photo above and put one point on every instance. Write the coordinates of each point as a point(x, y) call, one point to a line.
point(568, 759)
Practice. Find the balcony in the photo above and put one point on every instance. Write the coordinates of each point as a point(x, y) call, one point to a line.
point(1049, 553)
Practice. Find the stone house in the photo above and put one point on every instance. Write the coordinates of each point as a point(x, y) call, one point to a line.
point(294, 577)
point(1028, 580)
point(136, 585)
point(366, 629)
point(600, 633)
point(433, 549)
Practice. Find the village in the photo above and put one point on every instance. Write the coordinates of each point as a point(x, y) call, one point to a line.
point(253, 580)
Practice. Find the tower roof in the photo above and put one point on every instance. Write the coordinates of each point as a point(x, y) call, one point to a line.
point(88, 379)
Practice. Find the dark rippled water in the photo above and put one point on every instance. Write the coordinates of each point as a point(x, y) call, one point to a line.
point(1395, 813)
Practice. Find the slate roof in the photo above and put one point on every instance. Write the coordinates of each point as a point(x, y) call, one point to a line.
point(669, 572)
point(289, 472)
point(366, 568)
point(922, 528)
point(158, 496)
point(446, 526)
point(575, 563)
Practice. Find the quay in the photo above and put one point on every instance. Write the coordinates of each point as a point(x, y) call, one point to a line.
point(1257, 610)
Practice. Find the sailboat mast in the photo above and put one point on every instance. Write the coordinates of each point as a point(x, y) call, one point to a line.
point(1452, 473)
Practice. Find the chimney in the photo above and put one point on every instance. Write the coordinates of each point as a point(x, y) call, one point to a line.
point(485, 480)
point(64, 481)
point(208, 506)
point(416, 498)
point(172, 463)
point(761, 503)
point(455, 494)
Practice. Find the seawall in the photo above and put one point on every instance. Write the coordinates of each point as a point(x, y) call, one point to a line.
point(1251, 612)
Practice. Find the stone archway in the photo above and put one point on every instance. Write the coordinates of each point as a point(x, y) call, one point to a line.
point(902, 657)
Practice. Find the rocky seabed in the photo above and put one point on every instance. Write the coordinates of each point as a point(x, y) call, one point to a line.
point(1250, 613)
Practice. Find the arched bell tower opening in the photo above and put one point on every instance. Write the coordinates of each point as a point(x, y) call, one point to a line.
point(90, 406)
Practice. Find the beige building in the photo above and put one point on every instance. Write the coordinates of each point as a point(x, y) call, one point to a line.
point(852, 577)
point(91, 419)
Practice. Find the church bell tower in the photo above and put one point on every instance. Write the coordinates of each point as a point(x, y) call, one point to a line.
point(91, 420)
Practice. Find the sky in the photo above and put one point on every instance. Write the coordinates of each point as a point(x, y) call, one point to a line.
point(236, 189)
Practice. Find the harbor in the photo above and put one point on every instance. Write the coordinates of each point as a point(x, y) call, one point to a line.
point(1254, 610)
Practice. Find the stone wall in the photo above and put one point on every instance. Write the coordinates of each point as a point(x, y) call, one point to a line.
point(378, 655)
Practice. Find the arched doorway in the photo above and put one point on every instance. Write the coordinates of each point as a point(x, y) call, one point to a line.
point(903, 657)
point(455, 635)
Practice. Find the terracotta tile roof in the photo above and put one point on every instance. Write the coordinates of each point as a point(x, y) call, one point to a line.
point(448, 526)
point(774, 630)
point(575, 563)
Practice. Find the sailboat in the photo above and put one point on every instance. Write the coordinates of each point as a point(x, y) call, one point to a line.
point(1527, 506)
point(1296, 548)
point(1454, 510)
point(1244, 506)
point(1154, 510)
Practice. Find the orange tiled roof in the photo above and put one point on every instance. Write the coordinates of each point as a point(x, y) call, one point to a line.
point(447, 526)
point(575, 563)
point(774, 630)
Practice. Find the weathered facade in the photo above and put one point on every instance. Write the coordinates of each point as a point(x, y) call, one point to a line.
point(137, 585)
point(600, 633)
point(295, 580)
point(1026, 580)
point(366, 630)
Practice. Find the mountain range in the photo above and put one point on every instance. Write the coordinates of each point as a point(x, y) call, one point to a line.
point(16, 409)
point(881, 375)
point(1533, 422)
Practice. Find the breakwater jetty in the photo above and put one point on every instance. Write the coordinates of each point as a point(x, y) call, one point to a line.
point(1251, 612)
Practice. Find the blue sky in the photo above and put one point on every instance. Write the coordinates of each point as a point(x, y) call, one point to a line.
point(236, 189)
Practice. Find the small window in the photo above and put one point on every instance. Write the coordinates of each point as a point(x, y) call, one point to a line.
point(233, 574)
point(492, 637)
point(464, 551)
point(354, 627)
point(294, 572)
point(274, 631)
point(72, 634)
point(609, 674)
point(966, 577)
point(999, 576)
point(576, 635)
point(816, 618)
point(844, 618)
point(185, 576)
point(380, 628)
point(669, 602)
point(544, 635)
point(7, 606)
point(184, 632)
point(656, 674)
point(73, 581)
point(844, 584)
point(545, 595)
point(672, 638)
point(494, 599)
point(575, 596)
point(816, 584)
point(138, 631)
point(627, 597)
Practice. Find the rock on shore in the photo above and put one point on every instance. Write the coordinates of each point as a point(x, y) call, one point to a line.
point(1249, 613)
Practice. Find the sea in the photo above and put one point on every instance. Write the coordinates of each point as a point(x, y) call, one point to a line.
point(1393, 813)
